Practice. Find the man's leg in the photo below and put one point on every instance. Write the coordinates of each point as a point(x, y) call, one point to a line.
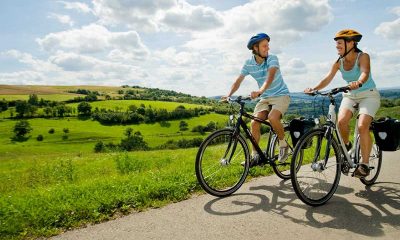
point(275, 119)
point(256, 126)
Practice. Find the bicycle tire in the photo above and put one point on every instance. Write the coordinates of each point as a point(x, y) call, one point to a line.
point(218, 166)
point(310, 167)
point(282, 170)
point(375, 163)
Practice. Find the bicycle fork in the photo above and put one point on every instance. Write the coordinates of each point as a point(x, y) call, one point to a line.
point(232, 144)
point(320, 166)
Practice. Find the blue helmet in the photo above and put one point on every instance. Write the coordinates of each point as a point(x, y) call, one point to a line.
point(255, 39)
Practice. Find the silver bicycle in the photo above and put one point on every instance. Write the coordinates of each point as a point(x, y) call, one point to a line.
point(322, 155)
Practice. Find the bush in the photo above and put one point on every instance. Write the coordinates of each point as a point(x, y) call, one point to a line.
point(134, 142)
point(66, 130)
point(39, 138)
point(65, 137)
point(200, 129)
point(99, 147)
point(22, 128)
point(183, 126)
point(84, 109)
point(51, 131)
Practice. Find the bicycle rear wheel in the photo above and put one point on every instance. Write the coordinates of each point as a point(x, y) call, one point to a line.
point(218, 163)
point(282, 170)
point(375, 163)
point(315, 173)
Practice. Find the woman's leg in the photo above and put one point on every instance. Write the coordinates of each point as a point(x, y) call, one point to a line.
point(364, 122)
point(344, 118)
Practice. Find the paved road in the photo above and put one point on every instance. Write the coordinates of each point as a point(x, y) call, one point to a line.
point(267, 208)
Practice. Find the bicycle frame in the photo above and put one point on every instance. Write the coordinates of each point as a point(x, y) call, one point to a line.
point(241, 124)
point(332, 125)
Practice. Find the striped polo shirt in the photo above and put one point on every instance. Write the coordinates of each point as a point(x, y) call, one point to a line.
point(260, 73)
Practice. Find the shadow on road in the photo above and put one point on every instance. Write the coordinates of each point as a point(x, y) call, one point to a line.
point(382, 205)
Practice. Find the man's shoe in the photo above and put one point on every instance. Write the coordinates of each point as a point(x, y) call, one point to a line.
point(283, 154)
point(361, 171)
point(348, 146)
point(254, 161)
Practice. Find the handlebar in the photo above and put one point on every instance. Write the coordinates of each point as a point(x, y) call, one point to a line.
point(332, 92)
point(239, 99)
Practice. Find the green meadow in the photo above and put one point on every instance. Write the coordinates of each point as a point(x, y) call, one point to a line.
point(57, 184)
point(123, 105)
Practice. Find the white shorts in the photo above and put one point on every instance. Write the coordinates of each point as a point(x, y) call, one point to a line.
point(280, 103)
point(369, 102)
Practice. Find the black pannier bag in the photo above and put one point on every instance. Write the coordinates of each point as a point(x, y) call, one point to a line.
point(387, 133)
point(298, 127)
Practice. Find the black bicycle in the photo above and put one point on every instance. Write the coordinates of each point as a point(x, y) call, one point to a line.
point(223, 158)
point(320, 156)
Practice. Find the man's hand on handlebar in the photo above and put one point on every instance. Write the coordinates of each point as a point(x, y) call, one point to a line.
point(255, 94)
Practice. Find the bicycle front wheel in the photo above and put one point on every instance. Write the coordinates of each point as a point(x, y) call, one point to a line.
point(315, 172)
point(375, 163)
point(222, 163)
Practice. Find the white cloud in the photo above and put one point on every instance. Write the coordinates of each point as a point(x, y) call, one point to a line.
point(193, 18)
point(157, 15)
point(94, 39)
point(294, 66)
point(23, 78)
point(64, 19)
point(80, 7)
point(390, 30)
point(384, 67)
point(139, 14)
point(88, 39)
point(30, 61)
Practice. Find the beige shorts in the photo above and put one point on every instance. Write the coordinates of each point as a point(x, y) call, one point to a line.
point(280, 103)
point(369, 102)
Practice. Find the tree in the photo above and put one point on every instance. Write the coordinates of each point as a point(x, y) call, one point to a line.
point(22, 128)
point(132, 108)
point(61, 110)
point(33, 100)
point(21, 107)
point(128, 132)
point(84, 109)
point(134, 142)
point(3, 105)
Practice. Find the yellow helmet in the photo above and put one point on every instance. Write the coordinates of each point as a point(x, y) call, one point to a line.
point(348, 34)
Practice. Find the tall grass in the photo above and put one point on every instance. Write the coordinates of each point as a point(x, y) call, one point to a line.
point(46, 196)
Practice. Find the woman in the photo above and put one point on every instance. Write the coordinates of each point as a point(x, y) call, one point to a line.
point(355, 68)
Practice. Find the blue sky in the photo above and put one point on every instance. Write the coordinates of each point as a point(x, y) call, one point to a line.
point(191, 46)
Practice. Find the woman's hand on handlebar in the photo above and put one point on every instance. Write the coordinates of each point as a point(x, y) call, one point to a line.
point(309, 91)
point(354, 85)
